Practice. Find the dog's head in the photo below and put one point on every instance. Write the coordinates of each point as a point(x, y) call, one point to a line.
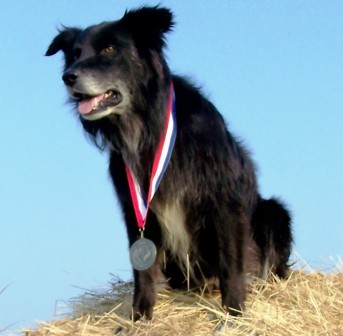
point(107, 65)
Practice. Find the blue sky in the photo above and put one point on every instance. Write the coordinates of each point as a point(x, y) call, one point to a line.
point(273, 68)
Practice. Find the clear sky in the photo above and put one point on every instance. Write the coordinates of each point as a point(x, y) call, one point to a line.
point(273, 68)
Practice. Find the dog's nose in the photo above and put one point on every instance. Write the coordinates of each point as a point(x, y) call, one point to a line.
point(69, 78)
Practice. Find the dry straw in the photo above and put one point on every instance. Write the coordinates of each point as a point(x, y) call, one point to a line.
point(307, 303)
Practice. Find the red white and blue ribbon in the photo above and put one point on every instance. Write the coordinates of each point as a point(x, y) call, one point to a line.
point(162, 157)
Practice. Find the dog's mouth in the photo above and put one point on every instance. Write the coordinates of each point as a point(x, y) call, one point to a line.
point(93, 104)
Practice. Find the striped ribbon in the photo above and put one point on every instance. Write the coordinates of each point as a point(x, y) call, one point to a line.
point(162, 157)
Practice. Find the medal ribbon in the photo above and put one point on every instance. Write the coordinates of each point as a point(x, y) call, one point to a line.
point(162, 157)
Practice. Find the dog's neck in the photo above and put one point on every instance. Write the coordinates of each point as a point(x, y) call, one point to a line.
point(136, 136)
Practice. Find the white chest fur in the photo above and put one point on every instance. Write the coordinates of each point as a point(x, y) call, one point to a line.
point(175, 236)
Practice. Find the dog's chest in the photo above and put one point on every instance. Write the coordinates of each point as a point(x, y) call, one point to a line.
point(172, 219)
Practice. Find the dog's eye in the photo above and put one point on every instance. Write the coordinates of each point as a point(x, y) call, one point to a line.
point(110, 49)
point(76, 54)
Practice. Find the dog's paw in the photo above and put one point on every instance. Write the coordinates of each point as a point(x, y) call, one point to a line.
point(120, 331)
point(142, 312)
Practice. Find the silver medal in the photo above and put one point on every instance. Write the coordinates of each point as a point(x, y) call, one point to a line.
point(142, 254)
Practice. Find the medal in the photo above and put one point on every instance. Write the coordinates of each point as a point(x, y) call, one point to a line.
point(143, 254)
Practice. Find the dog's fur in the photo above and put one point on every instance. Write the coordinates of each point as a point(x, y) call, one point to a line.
point(207, 208)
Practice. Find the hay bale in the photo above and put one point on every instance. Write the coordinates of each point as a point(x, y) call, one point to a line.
point(304, 304)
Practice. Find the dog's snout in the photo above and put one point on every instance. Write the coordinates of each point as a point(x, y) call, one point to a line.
point(70, 78)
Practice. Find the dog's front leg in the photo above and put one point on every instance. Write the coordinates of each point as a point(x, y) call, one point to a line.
point(231, 241)
point(144, 297)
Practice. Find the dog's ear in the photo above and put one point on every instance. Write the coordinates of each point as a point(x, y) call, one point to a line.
point(148, 26)
point(63, 41)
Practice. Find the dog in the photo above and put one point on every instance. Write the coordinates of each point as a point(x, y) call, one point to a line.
point(206, 222)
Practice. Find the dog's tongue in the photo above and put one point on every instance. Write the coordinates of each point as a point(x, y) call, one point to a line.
point(86, 106)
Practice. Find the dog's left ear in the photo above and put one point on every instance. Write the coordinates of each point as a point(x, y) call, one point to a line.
point(148, 26)
point(63, 41)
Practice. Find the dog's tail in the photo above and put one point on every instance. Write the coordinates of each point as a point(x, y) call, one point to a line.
point(272, 231)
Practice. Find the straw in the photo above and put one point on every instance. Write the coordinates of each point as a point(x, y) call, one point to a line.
point(307, 303)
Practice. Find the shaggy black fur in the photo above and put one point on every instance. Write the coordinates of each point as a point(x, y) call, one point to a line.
point(207, 205)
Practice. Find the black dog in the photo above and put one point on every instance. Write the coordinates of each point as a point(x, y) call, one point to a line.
point(206, 217)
